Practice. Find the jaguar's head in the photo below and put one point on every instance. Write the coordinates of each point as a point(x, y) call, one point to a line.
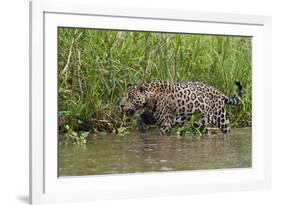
point(132, 100)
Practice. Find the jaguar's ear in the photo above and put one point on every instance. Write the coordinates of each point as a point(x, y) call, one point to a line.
point(141, 88)
point(129, 85)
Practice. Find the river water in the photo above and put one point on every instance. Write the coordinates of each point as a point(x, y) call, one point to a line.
point(136, 152)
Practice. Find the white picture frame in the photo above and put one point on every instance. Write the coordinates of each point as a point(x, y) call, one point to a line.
point(46, 186)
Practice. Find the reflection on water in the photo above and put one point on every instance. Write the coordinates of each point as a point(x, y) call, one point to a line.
point(131, 153)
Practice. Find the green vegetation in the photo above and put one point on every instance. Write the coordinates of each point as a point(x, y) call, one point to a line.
point(95, 67)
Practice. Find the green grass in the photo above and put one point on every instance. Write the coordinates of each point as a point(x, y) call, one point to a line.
point(95, 67)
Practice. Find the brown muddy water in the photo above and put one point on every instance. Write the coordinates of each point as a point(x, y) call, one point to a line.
point(135, 153)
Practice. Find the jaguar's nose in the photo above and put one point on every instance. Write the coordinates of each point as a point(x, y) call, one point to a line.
point(121, 107)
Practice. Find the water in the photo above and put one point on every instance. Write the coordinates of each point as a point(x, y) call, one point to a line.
point(132, 153)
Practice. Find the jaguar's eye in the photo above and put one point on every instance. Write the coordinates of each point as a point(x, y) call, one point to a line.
point(130, 96)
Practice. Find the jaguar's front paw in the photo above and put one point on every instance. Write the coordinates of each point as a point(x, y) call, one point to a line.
point(164, 130)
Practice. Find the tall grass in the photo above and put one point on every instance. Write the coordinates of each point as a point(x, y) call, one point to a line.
point(95, 67)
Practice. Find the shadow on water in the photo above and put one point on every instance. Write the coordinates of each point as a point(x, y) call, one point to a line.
point(132, 153)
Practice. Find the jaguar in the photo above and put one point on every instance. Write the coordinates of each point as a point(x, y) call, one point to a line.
point(170, 103)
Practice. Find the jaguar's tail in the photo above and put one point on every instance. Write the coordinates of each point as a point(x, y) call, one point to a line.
point(236, 98)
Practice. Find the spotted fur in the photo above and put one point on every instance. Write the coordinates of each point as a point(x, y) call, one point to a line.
point(168, 104)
